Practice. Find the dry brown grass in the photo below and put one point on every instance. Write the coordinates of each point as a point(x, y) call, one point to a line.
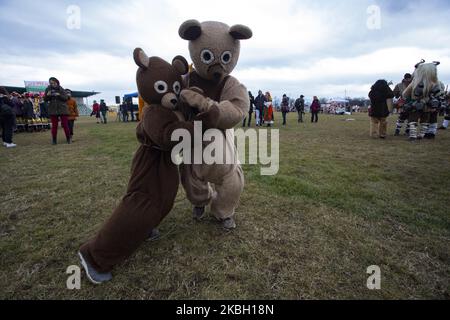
point(340, 203)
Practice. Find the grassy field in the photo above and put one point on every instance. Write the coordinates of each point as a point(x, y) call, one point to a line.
point(340, 203)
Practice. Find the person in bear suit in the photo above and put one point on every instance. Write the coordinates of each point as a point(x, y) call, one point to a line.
point(214, 48)
point(154, 180)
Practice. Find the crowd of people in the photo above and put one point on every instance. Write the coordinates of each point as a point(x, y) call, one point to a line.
point(418, 100)
point(263, 108)
point(35, 112)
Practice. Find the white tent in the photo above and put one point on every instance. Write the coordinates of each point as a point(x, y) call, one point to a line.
point(338, 100)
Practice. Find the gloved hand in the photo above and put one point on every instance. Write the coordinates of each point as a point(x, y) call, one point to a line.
point(195, 99)
point(209, 119)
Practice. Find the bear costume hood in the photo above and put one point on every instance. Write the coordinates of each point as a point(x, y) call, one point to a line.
point(214, 63)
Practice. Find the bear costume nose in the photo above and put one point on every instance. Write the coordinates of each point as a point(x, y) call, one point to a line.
point(174, 101)
point(217, 75)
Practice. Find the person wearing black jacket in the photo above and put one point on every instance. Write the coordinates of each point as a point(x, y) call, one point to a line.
point(250, 110)
point(27, 110)
point(124, 111)
point(7, 118)
point(130, 108)
point(103, 110)
point(300, 106)
point(381, 97)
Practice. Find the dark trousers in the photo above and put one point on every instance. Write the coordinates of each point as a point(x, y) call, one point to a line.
point(7, 124)
point(71, 125)
point(284, 118)
point(300, 116)
point(125, 116)
point(314, 116)
point(132, 115)
point(104, 118)
point(249, 119)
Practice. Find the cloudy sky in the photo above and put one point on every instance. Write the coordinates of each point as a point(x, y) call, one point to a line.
point(323, 48)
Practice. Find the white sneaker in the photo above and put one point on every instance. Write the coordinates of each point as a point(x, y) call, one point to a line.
point(10, 145)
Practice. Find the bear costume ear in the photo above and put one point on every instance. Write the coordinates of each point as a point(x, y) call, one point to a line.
point(436, 63)
point(241, 32)
point(141, 59)
point(190, 30)
point(181, 65)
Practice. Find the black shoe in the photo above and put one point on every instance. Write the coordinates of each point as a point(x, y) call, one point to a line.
point(198, 213)
point(54, 141)
point(442, 128)
point(430, 136)
point(69, 141)
point(397, 133)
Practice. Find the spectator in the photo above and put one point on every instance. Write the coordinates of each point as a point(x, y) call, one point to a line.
point(130, 108)
point(315, 109)
point(96, 111)
point(124, 107)
point(268, 111)
point(17, 105)
point(27, 109)
point(73, 112)
point(57, 108)
point(260, 100)
point(379, 109)
point(6, 118)
point(104, 111)
point(284, 108)
point(43, 109)
point(250, 110)
point(300, 107)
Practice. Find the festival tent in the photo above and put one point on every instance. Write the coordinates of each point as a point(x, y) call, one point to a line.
point(131, 95)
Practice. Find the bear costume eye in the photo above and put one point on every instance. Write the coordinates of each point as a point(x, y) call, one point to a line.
point(161, 87)
point(207, 56)
point(176, 88)
point(226, 57)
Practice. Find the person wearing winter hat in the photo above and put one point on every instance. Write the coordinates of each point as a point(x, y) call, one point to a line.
point(57, 108)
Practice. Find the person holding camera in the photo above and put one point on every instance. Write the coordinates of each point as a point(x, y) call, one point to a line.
point(57, 108)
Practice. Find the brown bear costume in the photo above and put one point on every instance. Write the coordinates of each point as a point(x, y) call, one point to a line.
point(214, 48)
point(154, 180)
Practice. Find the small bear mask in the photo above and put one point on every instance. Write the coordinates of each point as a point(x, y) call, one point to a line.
point(158, 81)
